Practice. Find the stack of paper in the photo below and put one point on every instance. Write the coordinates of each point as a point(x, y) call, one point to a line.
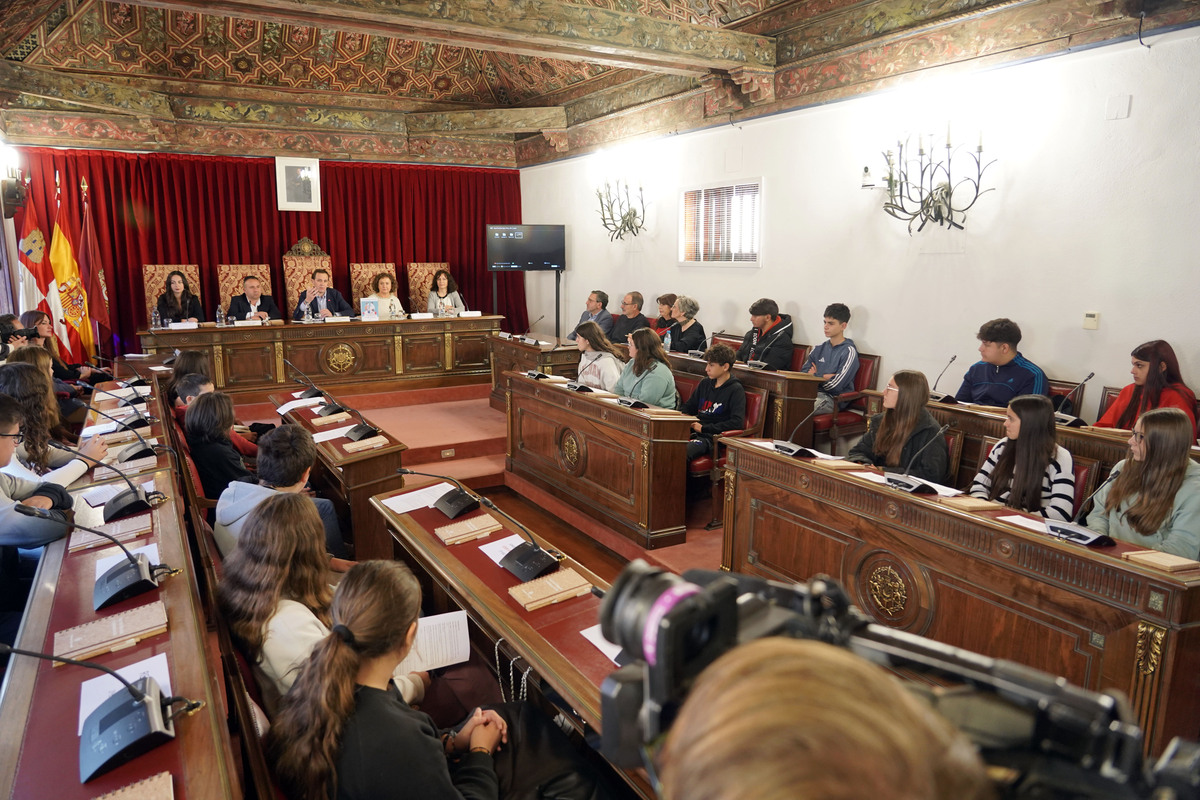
point(553, 588)
point(465, 530)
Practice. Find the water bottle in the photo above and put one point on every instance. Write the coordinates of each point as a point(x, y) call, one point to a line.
point(220, 317)
point(307, 313)
point(155, 320)
point(667, 341)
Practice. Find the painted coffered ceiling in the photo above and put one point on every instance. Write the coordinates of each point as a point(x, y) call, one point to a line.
point(488, 82)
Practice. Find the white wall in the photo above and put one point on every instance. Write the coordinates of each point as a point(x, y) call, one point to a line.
point(1088, 215)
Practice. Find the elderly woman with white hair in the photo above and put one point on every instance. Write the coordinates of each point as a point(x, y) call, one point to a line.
point(685, 333)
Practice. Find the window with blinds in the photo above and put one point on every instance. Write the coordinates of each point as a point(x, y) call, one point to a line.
point(720, 224)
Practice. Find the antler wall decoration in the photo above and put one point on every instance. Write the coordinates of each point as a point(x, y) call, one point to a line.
point(618, 213)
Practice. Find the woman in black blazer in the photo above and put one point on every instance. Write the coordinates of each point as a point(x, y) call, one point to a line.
point(177, 303)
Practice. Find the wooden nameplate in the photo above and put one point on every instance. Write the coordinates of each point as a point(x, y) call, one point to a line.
point(465, 530)
point(109, 634)
point(129, 468)
point(123, 530)
point(838, 463)
point(964, 502)
point(156, 787)
point(1167, 562)
point(561, 585)
point(365, 444)
point(341, 416)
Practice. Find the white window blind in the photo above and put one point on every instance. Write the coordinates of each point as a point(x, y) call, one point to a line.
point(720, 223)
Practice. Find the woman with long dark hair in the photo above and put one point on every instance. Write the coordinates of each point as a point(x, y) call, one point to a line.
point(187, 362)
point(1156, 384)
point(444, 298)
point(209, 421)
point(905, 429)
point(647, 375)
point(344, 731)
point(1154, 501)
point(1027, 469)
point(63, 371)
point(31, 388)
point(600, 362)
point(177, 303)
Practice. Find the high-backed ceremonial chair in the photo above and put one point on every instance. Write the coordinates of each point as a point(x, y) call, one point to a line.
point(420, 277)
point(230, 277)
point(851, 420)
point(154, 279)
point(298, 265)
point(361, 276)
point(713, 462)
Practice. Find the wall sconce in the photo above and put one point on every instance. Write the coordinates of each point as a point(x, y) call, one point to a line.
point(925, 189)
point(618, 213)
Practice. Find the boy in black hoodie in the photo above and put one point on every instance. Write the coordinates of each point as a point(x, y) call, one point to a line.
point(769, 340)
point(719, 402)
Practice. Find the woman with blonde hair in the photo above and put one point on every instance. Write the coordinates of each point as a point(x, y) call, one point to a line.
point(30, 387)
point(600, 362)
point(1154, 501)
point(905, 430)
point(647, 375)
point(778, 719)
point(344, 731)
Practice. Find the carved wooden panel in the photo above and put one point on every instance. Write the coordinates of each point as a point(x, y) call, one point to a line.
point(252, 363)
point(510, 355)
point(423, 352)
point(470, 350)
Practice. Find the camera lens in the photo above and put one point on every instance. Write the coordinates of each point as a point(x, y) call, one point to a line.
point(639, 599)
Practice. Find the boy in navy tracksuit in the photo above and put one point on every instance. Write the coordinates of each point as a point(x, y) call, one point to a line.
point(835, 360)
point(719, 402)
point(1003, 373)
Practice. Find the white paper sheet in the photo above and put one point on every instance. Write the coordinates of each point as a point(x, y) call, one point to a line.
point(337, 319)
point(160, 368)
point(102, 494)
point(95, 691)
point(302, 402)
point(129, 391)
point(441, 640)
point(94, 430)
point(871, 476)
point(422, 498)
point(1025, 522)
point(137, 355)
point(594, 636)
point(104, 564)
point(497, 550)
point(335, 433)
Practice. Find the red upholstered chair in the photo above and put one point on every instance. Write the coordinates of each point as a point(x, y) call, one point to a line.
point(729, 339)
point(686, 383)
point(1059, 391)
point(712, 464)
point(799, 354)
point(1086, 472)
point(1108, 396)
point(154, 282)
point(852, 420)
point(361, 275)
point(954, 444)
point(230, 277)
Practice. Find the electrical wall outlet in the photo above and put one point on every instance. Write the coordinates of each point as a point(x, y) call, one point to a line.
point(448, 453)
point(1091, 320)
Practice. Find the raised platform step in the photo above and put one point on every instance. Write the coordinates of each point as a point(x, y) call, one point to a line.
point(476, 473)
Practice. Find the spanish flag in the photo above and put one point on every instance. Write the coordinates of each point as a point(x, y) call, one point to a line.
point(73, 298)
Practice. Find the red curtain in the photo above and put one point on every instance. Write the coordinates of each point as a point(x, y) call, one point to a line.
point(153, 208)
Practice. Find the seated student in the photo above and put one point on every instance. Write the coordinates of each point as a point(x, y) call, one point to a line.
point(275, 594)
point(194, 362)
point(1156, 384)
point(252, 303)
point(177, 303)
point(63, 371)
point(904, 430)
point(285, 459)
point(862, 735)
point(1028, 469)
point(1002, 373)
point(187, 362)
point(384, 287)
point(666, 317)
point(345, 731)
point(1154, 501)
point(17, 530)
point(69, 410)
point(718, 403)
point(596, 310)
point(600, 363)
point(321, 299)
point(631, 317)
point(685, 332)
point(770, 336)
point(35, 459)
point(647, 376)
point(444, 299)
point(209, 418)
point(835, 360)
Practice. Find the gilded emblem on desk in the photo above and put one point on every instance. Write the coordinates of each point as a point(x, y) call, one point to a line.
point(888, 590)
point(339, 358)
point(570, 449)
point(1149, 647)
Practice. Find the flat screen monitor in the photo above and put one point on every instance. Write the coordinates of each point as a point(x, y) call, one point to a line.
point(520, 248)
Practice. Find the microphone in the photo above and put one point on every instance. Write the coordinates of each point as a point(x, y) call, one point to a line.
point(758, 363)
point(937, 396)
point(140, 380)
point(313, 391)
point(531, 339)
point(1111, 477)
point(700, 353)
point(158, 341)
point(362, 430)
point(127, 503)
point(133, 451)
point(120, 729)
point(137, 398)
point(138, 421)
point(1079, 534)
point(129, 578)
point(1068, 420)
point(786, 446)
point(904, 481)
point(526, 561)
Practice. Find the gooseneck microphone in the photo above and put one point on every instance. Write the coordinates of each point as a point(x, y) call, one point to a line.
point(125, 579)
point(1112, 476)
point(312, 391)
point(158, 341)
point(786, 446)
point(535, 322)
point(126, 504)
point(904, 481)
point(133, 451)
point(940, 397)
point(140, 380)
point(362, 430)
point(137, 399)
point(705, 344)
point(526, 561)
point(1071, 420)
point(137, 421)
point(1077, 533)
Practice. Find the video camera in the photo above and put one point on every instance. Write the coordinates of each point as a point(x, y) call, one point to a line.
point(7, 332)
point(1048, 738)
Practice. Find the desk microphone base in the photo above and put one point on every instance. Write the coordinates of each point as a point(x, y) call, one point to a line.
point(528, 562)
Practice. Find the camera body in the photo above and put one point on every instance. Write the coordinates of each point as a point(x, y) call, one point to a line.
point(7, 332)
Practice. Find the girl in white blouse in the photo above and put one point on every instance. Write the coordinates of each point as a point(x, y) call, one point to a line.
point(600, 362)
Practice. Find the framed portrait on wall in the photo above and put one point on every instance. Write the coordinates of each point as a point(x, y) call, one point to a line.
point(298, 184)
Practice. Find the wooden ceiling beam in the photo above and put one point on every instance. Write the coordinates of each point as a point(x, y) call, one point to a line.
point(82, 90)
point(500, 120)
point(538, 28)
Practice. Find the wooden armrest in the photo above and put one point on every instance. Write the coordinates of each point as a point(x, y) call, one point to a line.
point(204, 503)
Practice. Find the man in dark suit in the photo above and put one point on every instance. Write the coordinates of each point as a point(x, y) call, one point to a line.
point(322, 299)
point(252, 303)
